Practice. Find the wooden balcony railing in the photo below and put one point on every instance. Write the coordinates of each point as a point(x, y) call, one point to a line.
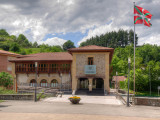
point(42, 68)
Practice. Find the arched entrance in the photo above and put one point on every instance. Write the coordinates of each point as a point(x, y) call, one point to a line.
point(98, 83)
point(83, 83)
point(33, 82)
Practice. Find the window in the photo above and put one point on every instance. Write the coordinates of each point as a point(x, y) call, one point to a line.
point(54, 83)
point(90, 60)
point(33, 82)
point(44, 83)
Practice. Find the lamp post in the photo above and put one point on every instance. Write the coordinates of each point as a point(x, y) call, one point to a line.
point(129, 62)
point(61, 82)
point(150, 80)
point(116, 81)
point(36, 82)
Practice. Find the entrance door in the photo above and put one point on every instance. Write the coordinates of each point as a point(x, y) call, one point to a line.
point(98, 83)
point(83, 83)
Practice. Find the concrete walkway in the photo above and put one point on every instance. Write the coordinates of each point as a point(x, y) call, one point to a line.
point(29, 110)
point(40, 116)
point(109, 100)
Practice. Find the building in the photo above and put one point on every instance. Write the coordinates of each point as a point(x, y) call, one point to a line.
point(5, 65)
point(79, 68)
point(117, 79)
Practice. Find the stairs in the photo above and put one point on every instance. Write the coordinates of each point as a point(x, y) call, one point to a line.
point(94, 92)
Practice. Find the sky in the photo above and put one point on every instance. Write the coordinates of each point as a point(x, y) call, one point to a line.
point(54, 22)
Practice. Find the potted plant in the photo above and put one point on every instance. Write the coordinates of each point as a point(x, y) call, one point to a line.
point(74, 99)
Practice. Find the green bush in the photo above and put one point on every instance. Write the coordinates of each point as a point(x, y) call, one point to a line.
point(6, 79)
point(122, 84)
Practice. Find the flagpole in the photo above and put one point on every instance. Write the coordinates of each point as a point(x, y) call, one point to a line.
point(134, 54)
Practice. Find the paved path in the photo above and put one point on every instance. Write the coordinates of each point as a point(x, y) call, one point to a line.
point(33, 109)
point(110, 100)
point(40, 116)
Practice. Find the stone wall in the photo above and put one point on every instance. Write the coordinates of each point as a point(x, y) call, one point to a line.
point(17, 97)
point(100, 59)
point(82, 60)
point(24, 78)
point(147, 101)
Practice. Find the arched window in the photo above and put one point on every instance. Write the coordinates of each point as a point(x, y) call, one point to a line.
point(43, 83)
point(54, 83)
point(33, 82)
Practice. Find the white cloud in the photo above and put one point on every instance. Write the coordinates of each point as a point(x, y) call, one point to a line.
point(102, 29)
point(36, 19)
point(53, 41)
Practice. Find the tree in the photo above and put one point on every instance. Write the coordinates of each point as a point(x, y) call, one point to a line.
point(112, 39)
point(67, 45)
point(13, 37)
point(3, 32)
point(35, 44)
point(6, 79)
point(23, 41)
point(15, 47)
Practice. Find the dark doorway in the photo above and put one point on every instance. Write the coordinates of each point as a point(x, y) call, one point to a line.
point(83, 83)
point(98, 83)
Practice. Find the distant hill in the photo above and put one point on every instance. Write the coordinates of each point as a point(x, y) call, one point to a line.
point(112, 39)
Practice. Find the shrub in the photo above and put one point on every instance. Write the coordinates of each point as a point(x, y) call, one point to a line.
point(122, 84)
point(6, 79)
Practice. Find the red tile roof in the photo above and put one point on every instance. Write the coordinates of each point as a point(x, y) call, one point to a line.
point(56, 56)
point(93, 48)
point(3, 52)
point(119, 78)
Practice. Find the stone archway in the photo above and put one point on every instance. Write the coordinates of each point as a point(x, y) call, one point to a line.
point(83, 83)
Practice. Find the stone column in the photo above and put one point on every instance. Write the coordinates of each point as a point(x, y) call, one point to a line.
point(106, 80)
point(14, 77)
point(73, 72)
point(90, 84)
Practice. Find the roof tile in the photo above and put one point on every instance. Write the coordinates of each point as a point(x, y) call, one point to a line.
point(56, 56)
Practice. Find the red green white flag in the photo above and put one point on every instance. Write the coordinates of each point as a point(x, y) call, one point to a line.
point(141, 11)
point(147, 22)
point(138, 20)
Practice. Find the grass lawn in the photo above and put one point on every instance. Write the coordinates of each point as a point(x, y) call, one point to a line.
point(3, 90)
point(147, 93)
point(1, 101)
point(144, 93)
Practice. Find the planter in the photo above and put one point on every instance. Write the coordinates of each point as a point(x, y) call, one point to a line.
point(74, 99)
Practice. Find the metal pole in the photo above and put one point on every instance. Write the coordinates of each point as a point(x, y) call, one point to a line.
point(134, 54)
point(150, 80)
point(128, 85)
point(116, 82)
point(36, 84)
point(61, 83)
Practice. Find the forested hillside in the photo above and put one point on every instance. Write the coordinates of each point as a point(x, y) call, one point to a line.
point(22, 45)
point(112, 39)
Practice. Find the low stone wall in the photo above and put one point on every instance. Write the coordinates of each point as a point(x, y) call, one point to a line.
point(121, 91)
point(17, 97)
point(147, 101)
